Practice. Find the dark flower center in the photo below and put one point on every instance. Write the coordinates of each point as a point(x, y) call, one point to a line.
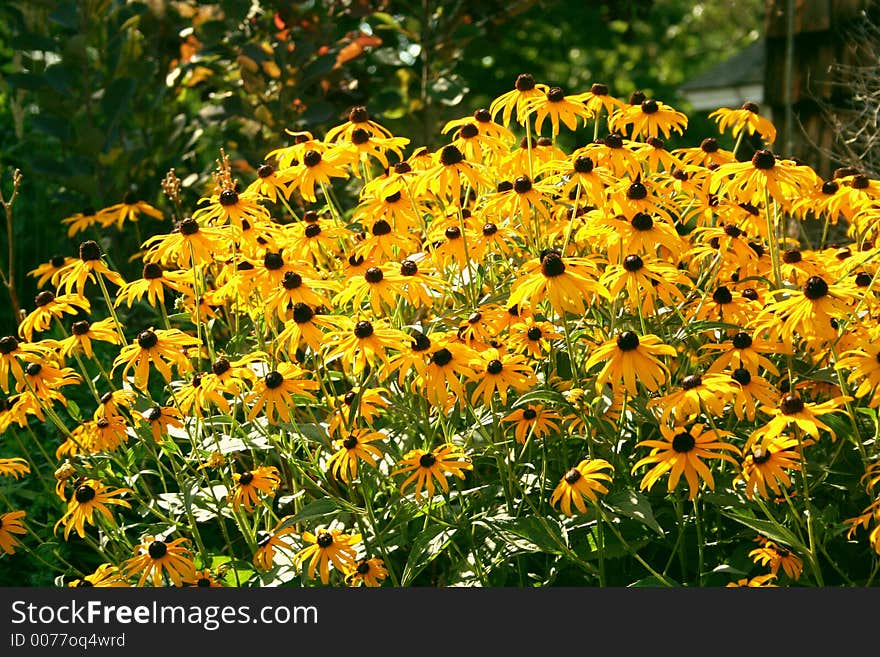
point(742, 340)
point(791, 405)
point(57, 260)
point(312, 158)
point(863, 279)
point(84, 494)
point(636, 191)
point(627, 341)
point(147, 339)
point(722, 295)
point(363, 329)
point(691, 381)
point(44, 297)
point(350, 442)
point(203, 582)
point(220, 366)
point(245, 478)
point(228, 197)
point(503, 186)
point(153, 413)
point(381, 227)
point(761, 455)
point(324, 539)
point(157, 550)
point(421, 342)
point(312, 230)
point(151, 271)
point(409, 268)
point(442, 357)
point(453, 233)
point(392, 198)
point(494, 366)
point(732, 231)
point(573, 476)
point(427, 460)
point(273, 261)
point(830, 187)
point(763, 159)
point(525, 82)
point(750, 293)
point(188, 226)
point(274, 379)
point(637, 98)
point(373, 275)
point(482, 115)
point(860, 181)
point(8, 344)
point(265, 171)
point(468, 131)
point(530, 414)
point(89, 250)
point(534, 333)
point(489, 230)
point(360, 136)
point(302, 313)
point(742, 376)
point(363, 568)
point(81, 327)
point(244, 265)
point(291, 280)
point(522, 185)
point(583, 164)
point(791, 256)
point(33, 369)
point(475, 317)
point(650, 106)
point(598, 89)
point(642, 221)
point(633, 263)
point(358, 114)
point(683, 442)
point(552, 265)
point(355, 260)
point(555, 94)
point(815, 288)
point(402, 167)
point(750, 106)
point(450, 155)
point(81, 584)
point(709, 145)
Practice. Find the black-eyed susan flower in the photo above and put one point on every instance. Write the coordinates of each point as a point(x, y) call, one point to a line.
point(358, 119)
point(159, 418)
point(525, 89)
point(379, 286)
point(161, 347)
point(14, 467)
point(559, 107)
point(753, 391)
point(105, 576)
point(532, 337)
point(189, 243)
point(568, 284)
point(90, 496)
point(680, 452)
point(327, 547)
point(305, 327)
point(425, 468)
point(585, 480)
point(276, 540)
point(319, 167)
point(696, 393)
point(640, 234)
point(273, 393)
point(495, 370)
point(81, 221)
point(792, 411)
point(11, 523)
point(864, 366)
point(83, 332)
point(748, 181)
point(205, 578)
point(447, 362)
point(362, 343)
point(152, 283)
point(50, 307)
point(156, 558)
point(776, 556)
point(759, 581)
point(534, 420)
point(629, 359)
point(351, 449)
point(72, 277)
point(450, 174)
point(765, 466)
point(45, 380)
point(251, 485)
point(229, 206)
point(648, 119)
point(599, 98)
point(14, 352)
point(129, 210)
point(48, 271)
point(745, 351)
point(368, 572)
point(645, 280)
point(747, 119)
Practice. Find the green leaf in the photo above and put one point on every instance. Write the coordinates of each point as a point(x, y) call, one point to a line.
point(636, 506)
point(427, 547)
point(530, 535)
point(769, 529)
point(312, 510)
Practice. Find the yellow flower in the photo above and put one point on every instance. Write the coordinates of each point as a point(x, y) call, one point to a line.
point(426, 467)
point(582, 481)
point(629, 358)
point(328, 547)
point(89, 497)
point(249, 485)
point(162, 347)
point(155, 558)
